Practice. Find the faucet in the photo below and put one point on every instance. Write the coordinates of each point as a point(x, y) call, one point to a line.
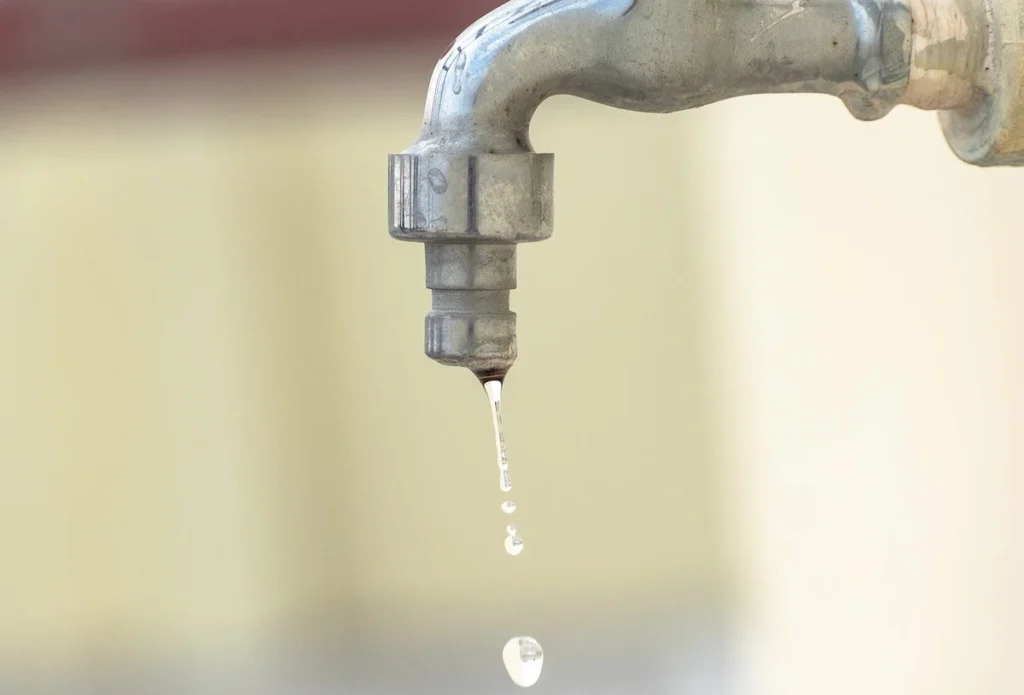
point(471, 188)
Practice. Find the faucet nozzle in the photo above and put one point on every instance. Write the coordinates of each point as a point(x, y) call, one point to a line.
point(470, 211)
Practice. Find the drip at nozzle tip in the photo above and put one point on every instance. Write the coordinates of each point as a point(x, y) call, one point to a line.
point(491, 375)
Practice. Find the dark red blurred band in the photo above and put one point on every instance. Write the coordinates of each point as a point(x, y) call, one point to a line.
point(55, 34)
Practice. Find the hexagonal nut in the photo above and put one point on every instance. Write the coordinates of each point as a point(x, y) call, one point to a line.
point(484, 343)
point(487, 198)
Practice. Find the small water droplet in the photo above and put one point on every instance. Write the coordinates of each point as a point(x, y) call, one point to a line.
point(524, 659)
point(511, 530)
point(460, 67)
point(513, 545)
point(508, 507)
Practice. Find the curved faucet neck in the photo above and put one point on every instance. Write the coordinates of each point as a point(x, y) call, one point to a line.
point(664, 56)
point(472, 188)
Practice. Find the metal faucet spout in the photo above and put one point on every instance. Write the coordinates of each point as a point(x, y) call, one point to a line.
point(471, 188)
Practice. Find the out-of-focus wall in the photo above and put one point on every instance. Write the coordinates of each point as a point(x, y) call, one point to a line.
point(871, 354)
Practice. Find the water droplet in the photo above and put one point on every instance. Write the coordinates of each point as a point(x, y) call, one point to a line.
point(524, 660)
point(513, 545)
point(438, 181)
point(511, 530)
point(508, 507)
point(460, 67)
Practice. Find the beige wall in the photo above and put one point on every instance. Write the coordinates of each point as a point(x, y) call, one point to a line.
point(871, 342)
point(216, 422)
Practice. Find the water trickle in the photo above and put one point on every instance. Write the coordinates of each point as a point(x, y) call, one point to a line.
point(523, 656)
point(513, 544)
point(493, 389)
point(524, 660)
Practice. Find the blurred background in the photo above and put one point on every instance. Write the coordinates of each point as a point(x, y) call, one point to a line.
point(782, 452)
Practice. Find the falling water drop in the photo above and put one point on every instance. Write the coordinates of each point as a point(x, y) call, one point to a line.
point(508, 507)
point(524, 660)
point(513, 545)
point(511, 530)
